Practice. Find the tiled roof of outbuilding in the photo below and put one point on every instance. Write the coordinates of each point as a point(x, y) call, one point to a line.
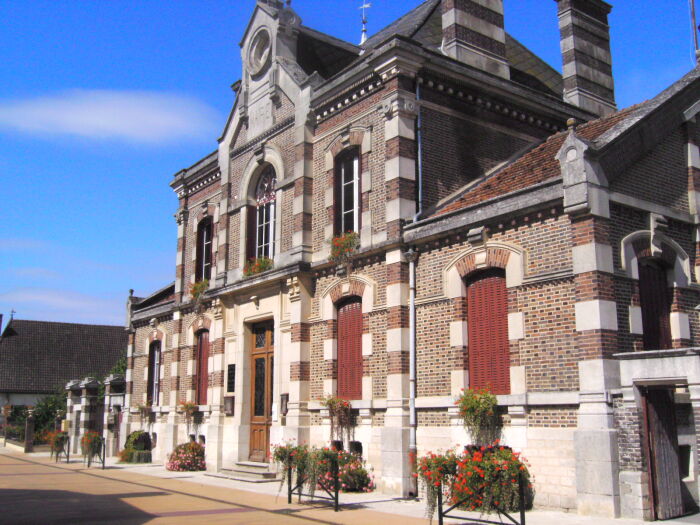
point(41, 356)
point(537, 165)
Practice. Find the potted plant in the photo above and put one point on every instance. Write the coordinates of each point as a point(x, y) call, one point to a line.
point(341, 417)
point(197, 291)
point(188, 409)
point(479, 411)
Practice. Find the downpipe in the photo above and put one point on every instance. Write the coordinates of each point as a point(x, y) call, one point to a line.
point(411, 256)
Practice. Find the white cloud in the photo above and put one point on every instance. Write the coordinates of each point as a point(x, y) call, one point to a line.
point(135, 116)
point(48, 304)
point(35, 273)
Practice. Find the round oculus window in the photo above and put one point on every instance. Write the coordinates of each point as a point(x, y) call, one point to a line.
point(259, 54)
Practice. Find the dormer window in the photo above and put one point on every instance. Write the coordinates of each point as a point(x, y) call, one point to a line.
point(347, 192)
point(261, 217)
point(204, 250)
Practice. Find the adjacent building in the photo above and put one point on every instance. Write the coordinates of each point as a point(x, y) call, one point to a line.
point(515, 231)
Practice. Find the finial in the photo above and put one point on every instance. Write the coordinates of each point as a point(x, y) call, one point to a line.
point(131, 292)
point(12, 314)
point(571, 124)
point(364, 6)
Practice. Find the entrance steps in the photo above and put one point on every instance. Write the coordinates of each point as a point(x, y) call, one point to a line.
point(248, 471)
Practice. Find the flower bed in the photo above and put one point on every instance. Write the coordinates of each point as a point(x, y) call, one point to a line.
point(483, 479)
point(315, 465)
point(187, 457)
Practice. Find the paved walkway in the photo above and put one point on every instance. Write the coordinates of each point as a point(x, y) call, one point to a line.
point(34, 490)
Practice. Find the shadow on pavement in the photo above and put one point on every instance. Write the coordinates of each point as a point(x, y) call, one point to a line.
point(65, 507)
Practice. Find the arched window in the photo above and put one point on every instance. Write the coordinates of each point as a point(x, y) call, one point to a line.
point(153, 388)
point(655, 300)
point(350, 349)
point(204, 248)
point(201, 382)
point(347, 192)
point(487, 328)
point(261, 217)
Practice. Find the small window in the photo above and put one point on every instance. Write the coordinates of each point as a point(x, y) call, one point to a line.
point(153, 388)
point(204, 248)
point(655, 300)
point(261, 217)
point(231, 380)
point(202, 363)
point(347, 192)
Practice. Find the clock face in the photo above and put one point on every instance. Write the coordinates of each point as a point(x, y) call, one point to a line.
point(259, 52)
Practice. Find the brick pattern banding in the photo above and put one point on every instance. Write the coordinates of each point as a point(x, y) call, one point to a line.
point(299, 371)
point(301, 333)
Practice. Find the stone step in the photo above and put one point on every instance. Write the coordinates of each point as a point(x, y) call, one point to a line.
point(243, 476)
point(257, 469)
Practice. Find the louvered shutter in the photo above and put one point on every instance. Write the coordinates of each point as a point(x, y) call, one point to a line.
point(487, 325)
point(350, 350)
point(654, 297)
point(251, 232)
point(202, 367)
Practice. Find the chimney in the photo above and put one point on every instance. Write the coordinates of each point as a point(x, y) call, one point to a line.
point(472, 32)
point(585, 48)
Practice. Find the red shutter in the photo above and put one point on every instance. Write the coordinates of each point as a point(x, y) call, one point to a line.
point(202, 380)
point(487, 326)
point(654, 297)
point(250, 233)
point(350, 350)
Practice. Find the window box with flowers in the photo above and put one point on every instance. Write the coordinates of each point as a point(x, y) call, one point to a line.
point(343, 248)
point(197, 291)
point(257, 265)
point(341, 416)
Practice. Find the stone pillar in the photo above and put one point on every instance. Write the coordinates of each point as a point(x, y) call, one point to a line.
point(396, 467)
point(586, 202)
point(585, 48)
point(298, 419)
point(215, 429)
point(29, 431)
point(181, 217)
point(473, 33)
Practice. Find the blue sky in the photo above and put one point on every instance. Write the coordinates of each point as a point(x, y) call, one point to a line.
point(102, 102)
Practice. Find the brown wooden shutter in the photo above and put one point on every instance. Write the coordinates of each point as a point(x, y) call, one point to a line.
point(151, 372)
point(202, 379)
point(654, 297)
point(487, 326)
point(250, 251)
point(350, 350)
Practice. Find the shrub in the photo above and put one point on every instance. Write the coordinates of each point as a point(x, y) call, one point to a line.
point(353, 473)
point(187, 457)
point(138, 440)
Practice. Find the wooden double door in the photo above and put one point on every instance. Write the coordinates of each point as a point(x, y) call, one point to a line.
point(262, 363)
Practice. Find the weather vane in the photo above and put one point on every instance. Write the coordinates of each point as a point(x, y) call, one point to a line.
point(364, 6)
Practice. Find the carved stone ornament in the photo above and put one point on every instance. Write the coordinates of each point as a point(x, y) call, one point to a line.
point(397, 104)
point(217, 309)
point(181, 216)
point(259, 52)
point(294, 289)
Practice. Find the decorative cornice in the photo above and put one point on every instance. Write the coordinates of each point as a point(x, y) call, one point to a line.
point(357, 92)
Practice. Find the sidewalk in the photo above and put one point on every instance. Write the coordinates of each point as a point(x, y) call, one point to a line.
point(359, 508)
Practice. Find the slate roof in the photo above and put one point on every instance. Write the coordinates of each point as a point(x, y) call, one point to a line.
point(41, 357)
point(424, 25)
point(536, 166)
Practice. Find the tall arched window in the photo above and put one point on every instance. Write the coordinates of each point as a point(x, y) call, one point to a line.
point(487, 328)
point(347, 192)
point(153, 388)
point(350, 349)
point(655, 300)
point(204, 249)
point(261, 217)
point(201, 382)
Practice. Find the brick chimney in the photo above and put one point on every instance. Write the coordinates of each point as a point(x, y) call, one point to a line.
point(472, 32)
point(585, 48)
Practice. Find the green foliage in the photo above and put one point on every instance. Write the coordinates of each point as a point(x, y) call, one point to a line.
point(138, 440)
point(341, 416)
point(479, 411)
point(198, 289)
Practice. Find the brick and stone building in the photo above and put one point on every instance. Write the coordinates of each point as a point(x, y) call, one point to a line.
point(515, 230)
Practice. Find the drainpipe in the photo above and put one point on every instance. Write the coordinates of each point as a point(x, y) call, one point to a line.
point(411, 257)
point(419, 140)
